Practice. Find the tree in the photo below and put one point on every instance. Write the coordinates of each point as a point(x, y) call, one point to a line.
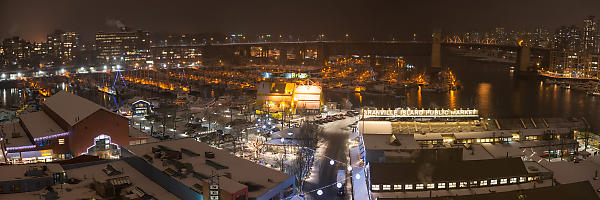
point(307, 137)
point(257, 144)
point(236, 133)
point(210, 116)
point(300, 167)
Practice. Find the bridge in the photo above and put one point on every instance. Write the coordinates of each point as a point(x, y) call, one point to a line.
point(239, 53)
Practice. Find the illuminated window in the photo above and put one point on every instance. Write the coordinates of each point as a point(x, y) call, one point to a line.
point(503, 181)
point(452, 185)
point(441, 185)
point(15, 188)
point(374, 187)
point(483, 183)
point(419, 186)
point(473, 183)
point(397, 187)
point(463, 184)
point(493, 182)
point(61, 141)
point(408, 187)
point(522, 179)
point(387, 187)
point(513, 180)
point(430, 185)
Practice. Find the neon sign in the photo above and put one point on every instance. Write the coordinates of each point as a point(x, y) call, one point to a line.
point(51, 136)
point(420, 113)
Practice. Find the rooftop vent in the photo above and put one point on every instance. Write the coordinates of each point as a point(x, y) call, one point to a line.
point(216, 165)
point(200, 176)
point(148, 158)
point(189, 153)
point(209, 154)
point(394, 140)
point(109, 170)
point(120, 182)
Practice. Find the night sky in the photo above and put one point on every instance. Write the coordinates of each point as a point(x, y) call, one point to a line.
point(32, 20)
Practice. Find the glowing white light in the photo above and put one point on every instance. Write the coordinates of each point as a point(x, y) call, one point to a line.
point(264, 126)
point(338, 185)
point(331, 162)
point(357, 176)
point(349, 168)
point(319, 192)
point(282, 140)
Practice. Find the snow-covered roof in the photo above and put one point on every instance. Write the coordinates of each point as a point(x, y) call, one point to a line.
point(94, 172)
point(382, 142)
point(17, 172)
point(444, 171)
point(375, 127)
point(70, 107)
point(39, 124)
point(8, 128)
point(242, 172)
point(499, 150)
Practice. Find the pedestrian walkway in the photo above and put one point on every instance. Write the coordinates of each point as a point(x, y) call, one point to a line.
point(359, 180)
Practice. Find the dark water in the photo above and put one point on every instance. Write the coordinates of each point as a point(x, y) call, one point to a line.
point(495, 91)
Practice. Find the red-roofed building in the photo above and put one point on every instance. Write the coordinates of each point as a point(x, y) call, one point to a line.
point(68, 126)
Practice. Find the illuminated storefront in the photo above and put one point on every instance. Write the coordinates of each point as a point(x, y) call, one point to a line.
point(35, 156)
point(103, 148)
point(275, 97)
point(308, 97)
point(141, 108)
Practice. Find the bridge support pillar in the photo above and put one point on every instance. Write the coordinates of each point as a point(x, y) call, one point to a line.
point(283, 56)
point(436, 51)
point(524, 59)
point(322, 54)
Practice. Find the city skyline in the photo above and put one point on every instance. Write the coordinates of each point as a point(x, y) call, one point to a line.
point(362, 19)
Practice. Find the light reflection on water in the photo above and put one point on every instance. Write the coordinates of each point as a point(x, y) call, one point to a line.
point(490, 88)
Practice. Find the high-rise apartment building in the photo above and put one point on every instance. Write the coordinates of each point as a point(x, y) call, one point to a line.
point(62, 47)
point(124, 47)
point(590, 35)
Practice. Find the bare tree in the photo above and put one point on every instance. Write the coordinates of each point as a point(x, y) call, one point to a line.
point(307, 137)
point(210, 116)
point(236, 133)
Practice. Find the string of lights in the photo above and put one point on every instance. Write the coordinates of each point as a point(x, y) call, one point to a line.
point(332, 161)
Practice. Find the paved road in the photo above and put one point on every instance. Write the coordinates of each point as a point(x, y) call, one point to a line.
point(336, 139)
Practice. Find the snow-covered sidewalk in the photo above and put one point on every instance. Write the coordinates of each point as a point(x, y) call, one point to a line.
point(359, 180)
